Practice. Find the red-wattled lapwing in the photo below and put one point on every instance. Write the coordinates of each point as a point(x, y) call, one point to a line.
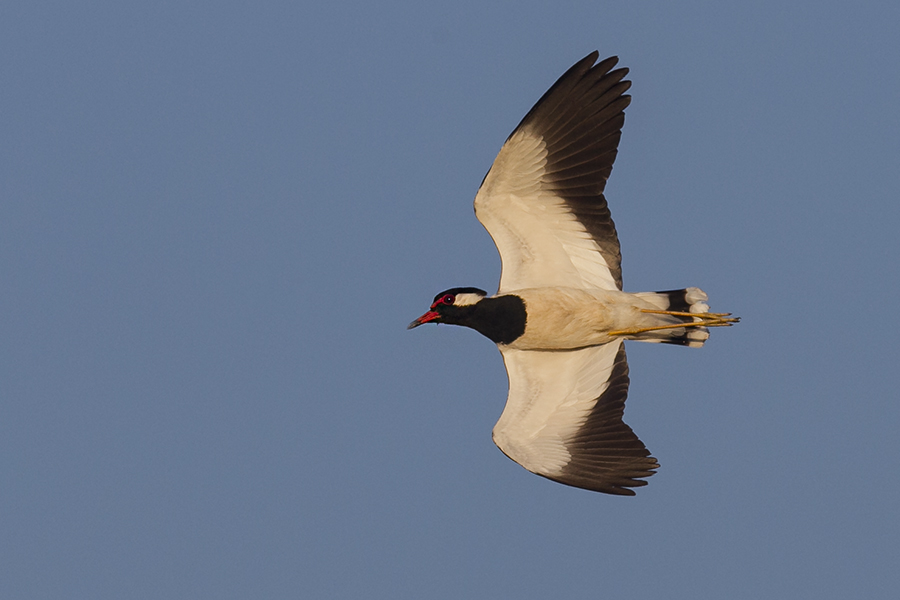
point(560, 316)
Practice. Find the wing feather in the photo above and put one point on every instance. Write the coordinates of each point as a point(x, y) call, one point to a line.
point(563, 418)
point(543, 195)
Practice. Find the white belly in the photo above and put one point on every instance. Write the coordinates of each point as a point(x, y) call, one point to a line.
point(569, 318)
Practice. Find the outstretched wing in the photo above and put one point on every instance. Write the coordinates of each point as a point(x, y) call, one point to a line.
point(542, 200)
point(563, 418)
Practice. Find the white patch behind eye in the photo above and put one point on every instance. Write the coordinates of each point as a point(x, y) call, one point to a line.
point(466, 299)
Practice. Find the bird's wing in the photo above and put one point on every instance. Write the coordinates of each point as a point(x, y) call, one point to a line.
point(542, 200)
point(563, 418)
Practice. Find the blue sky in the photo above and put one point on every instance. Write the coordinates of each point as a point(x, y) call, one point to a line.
point(218, 218)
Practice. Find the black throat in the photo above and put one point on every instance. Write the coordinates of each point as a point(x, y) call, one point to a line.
point(501, 319)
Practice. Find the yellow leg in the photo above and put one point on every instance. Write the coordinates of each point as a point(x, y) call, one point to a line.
point(636, 330)
point(715, 316)
point(700, 320)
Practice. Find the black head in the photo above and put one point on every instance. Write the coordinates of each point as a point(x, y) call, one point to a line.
point(447, 304)
point(500, 318)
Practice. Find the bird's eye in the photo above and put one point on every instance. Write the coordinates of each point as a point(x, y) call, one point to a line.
point(448, 299)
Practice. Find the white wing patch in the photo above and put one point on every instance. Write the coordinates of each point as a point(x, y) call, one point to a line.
point(540, 241)
point(551, 395)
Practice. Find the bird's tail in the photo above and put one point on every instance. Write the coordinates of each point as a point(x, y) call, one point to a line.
point(689, 300)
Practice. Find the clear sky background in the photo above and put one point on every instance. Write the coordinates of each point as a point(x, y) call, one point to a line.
point(218, 218)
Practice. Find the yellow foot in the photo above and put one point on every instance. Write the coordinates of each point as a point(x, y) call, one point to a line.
point(684, 314)
point(700, 320)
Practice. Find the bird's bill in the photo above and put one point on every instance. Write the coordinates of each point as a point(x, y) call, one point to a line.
point(426, 318)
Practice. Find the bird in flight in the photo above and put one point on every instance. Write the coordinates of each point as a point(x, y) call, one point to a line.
point(560, 317)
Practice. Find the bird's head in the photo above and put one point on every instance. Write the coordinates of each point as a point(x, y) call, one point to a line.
point(450, 306)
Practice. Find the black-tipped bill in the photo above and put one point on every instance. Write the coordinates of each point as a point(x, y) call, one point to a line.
point(426, 318)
